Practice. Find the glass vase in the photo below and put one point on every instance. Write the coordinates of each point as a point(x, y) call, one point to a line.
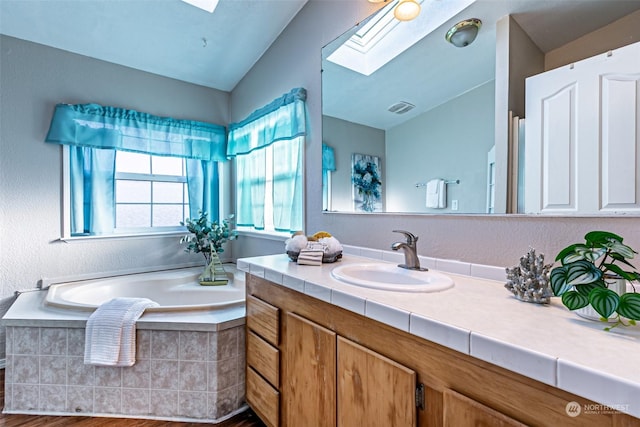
point(368, 202)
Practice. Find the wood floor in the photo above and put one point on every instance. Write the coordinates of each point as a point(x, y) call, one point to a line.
point(246, 419)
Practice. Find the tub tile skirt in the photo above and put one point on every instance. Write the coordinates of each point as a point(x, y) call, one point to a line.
point(178, 376)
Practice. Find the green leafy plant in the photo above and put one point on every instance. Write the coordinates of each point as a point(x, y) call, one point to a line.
point(586, 271)
point(207, 236)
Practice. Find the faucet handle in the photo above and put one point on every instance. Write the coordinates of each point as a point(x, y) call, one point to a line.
point(411, 238)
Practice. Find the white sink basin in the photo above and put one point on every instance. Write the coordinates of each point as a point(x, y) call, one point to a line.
point(391, 278)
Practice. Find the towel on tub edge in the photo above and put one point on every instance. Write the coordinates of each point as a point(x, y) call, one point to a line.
point(110, 335)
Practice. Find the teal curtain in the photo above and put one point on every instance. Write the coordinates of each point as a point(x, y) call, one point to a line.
point(328, 158)
point(92, 190)
point(203, 184)
point(328, 166)
point(287, 185)
point(94, 133)
point(250, 189)
point(283, 119)
point(282, 125)
point(95, 126)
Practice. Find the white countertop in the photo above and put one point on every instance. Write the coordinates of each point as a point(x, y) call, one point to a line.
point(481, 318)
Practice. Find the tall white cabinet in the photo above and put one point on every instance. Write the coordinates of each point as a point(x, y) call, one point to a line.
point(582, 136)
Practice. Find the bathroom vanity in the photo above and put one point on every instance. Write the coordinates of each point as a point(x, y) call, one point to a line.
point(321, 352)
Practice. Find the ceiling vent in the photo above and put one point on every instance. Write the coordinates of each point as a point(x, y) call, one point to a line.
point(401, 107)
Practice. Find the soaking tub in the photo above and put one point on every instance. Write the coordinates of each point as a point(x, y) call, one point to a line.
point(173, 290)
point(190, 351)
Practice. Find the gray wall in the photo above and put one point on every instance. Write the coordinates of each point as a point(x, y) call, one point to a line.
point(294, 60)
point(347, 138)
point(34, 78)
point(451, 142)
point(620, 33)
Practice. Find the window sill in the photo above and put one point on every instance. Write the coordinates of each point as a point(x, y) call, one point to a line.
point(267, 235)
point(123, 236)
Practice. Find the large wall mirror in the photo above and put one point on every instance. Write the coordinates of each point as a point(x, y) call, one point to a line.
point(398, 95)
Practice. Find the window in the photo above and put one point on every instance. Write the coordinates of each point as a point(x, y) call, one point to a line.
point(328, 166)
point(151, 192)
point(268, 148)
point(268, 180)
point(130, 172)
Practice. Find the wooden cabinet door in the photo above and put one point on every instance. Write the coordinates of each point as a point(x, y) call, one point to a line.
point(372, 389)
point(461, 411)
point(309, 374)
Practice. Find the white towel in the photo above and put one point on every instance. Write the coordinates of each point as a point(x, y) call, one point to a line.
point(312, 254)
point(310, 257)
point(110, 335)
point(436, 194)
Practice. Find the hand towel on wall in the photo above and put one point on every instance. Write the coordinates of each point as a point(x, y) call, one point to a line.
point(436, 194)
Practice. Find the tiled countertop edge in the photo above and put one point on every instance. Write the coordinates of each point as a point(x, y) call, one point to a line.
point(614, 392)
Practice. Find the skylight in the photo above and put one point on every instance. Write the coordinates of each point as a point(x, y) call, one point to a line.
point(208, 5)
point(383, 37)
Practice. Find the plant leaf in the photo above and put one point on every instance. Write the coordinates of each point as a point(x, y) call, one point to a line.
point(579, 252)
point(559, 280)
point(601, 238)
point(629, 306)
point(585, 289)
point(620, 272)
point(619, 248)
point(569, 250)
point(576, 273)
point(573, 300)
point(604, 301)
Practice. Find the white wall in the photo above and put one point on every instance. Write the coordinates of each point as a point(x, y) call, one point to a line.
point(450, 142)
point(619, 33)
point(34, 78)
point(294, 60)
point(347, 138)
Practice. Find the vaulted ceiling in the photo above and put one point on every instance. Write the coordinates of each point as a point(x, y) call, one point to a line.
point(165, 37)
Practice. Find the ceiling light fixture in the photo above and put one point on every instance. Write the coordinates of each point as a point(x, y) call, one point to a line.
point(464, 32)
point(208, 5)
point(406, 10)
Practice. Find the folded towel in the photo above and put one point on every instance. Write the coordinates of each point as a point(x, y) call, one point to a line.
point(312, 254)
point(310, 257)
point(436, 194)
point(110, 335)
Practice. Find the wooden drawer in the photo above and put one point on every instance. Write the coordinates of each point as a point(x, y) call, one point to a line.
point(263, 399)
point(263, 319)
point(264, 358)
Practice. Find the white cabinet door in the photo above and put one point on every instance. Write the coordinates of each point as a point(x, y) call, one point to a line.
point(583, 136)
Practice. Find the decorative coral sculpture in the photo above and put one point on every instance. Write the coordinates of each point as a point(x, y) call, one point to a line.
point(529, 281)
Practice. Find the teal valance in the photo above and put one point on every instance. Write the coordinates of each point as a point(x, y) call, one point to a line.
point(96, 126)
point(282, 119)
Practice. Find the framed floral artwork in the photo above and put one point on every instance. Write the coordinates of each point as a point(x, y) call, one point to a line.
point(367, 183)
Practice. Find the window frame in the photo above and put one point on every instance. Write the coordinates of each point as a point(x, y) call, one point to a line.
point(66, 234)
point(269, 232)
point(151, 178)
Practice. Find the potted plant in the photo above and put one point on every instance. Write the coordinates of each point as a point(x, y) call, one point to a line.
point(595, 274)
point(207, 238)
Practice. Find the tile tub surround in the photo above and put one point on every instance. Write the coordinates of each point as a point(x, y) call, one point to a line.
point(189, 365)
point(481, 318)
point(178, 375)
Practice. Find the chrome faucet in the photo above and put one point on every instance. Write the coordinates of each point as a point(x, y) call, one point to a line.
point(411, 261)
